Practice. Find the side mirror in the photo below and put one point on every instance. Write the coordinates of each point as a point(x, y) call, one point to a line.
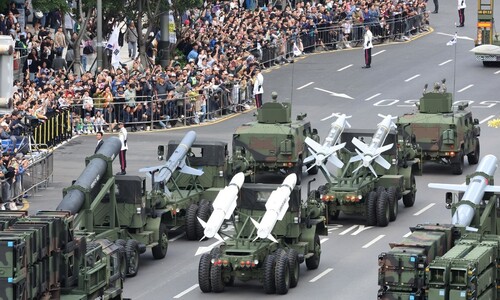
point(476, 121)
point(161, 152)
point(449, 199)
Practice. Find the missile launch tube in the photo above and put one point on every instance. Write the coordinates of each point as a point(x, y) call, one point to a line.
point(475, 191)
point(91, 175)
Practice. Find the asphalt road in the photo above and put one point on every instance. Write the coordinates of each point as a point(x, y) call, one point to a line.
point(319, 85)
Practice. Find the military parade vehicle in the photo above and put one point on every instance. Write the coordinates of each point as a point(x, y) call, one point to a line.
point(443, 134)
point(451, 261)
point(273, 144)
point(274, 231)
point(487, 43)
point(375, 170)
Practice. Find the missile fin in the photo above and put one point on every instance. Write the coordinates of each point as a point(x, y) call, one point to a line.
point(203, 223)
point(313, 144)
point(333, 159)
point(163, 175)
point(272, 238)
point(361, 146)
point(446, 186)
point(372, 169)
point(384, 148)
point(219, 238)
point(384, 163)
point(359, 167)
point(255, 223)
point(191, 171)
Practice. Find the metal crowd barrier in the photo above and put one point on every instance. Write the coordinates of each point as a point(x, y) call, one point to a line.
point(53, 131)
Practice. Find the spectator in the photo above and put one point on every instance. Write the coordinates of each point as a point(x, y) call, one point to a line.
point(131, 39)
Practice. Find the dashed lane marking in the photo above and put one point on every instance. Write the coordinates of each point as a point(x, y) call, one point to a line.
point(373, 241)
point(371, 97)
point(323, 240)
point(186, 291)
point(321, 275)
point(411, 78)
point(407, 235)
point(445, 62)
point(465, 88)
point(380, 52)
point(487, 119)
point(343, 68)
point(424, 209)
point(305, 85)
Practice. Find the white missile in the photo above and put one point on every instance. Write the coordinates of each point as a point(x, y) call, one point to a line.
point(176, 160)
point(327, 151)
point(224, 205)
point(276, 207)
point(370, 153)
point(474, 191)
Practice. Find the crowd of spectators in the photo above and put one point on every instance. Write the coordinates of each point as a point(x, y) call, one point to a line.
point(221, 46)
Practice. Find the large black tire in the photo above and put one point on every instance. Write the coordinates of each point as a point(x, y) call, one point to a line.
point(312, 262)
point(409, 199)
point(457, 164)
point(122, 258)
point(392, 192)
point(269, 270)
point(215, 252)
point(191, 221)
point(473, 158)
point(282, 273)
point(204, 211)
point(379, 190)
point(383, 209)
point(132, 251)
point(371, 204)
point(159, 251)
point(293, 261)
point(216, 281)
point(204, 273)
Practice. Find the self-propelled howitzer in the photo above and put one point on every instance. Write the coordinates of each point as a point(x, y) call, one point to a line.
point(450, 261)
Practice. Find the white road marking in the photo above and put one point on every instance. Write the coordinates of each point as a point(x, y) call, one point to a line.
point(335, 94)
point(458, 37)
point(373, 241)
point(465, 88)
point(413, 77)
point(407, 235)
point(371, 97)
point(186, 291)
point(175, 238)
point(346, 67)
point(487, 119)
point(497, 72)
point(361, 229)
point(445, 62)
point(305, 85)
point(323, 240)
point(424, 209)
point(321, 275)
point(381, 51)
point(333, 227)
point(348, 229)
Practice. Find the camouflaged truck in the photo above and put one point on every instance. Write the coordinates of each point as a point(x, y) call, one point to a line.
point(274, 144)
point(444, 135)
point(275, 264)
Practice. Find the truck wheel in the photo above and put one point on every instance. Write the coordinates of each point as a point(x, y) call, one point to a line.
point(204, 273)
point(393, 203)
point(215, 252)
point(334, 215)
point(282, 273)
point(293, 261)
point(457, 165)
point(159, 251)
point(371, 204)
point(216, 281)
point(312, 262)
point(191, 221)
point(473, 158)
point(409, 199)
point(383, 209)
point(204, 211)
point(380, 189)
point(132, 251)
point(122, 258)
point(269, 268)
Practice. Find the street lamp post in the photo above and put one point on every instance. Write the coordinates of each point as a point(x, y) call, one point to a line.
point(99, 34)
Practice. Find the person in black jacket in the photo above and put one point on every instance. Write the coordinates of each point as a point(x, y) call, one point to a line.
point(100, 141)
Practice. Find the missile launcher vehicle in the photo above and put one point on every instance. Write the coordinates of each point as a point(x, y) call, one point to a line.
point(377, 169)
point(274, 231)
point(443, 134)
point(451, 261)
point(273, 144)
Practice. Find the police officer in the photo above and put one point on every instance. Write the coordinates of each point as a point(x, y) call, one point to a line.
point(122, 134)
point(461, 13)
point(367, 46)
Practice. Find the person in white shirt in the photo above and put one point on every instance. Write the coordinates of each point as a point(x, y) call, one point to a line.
point(367, 46)
point(258, 90)
point(461, 13)
point(122, 134)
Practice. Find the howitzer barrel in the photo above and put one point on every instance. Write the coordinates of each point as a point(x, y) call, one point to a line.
point(91, 175)
point(475, 191)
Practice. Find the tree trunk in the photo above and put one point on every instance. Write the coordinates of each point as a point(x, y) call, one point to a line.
point(77, 63)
